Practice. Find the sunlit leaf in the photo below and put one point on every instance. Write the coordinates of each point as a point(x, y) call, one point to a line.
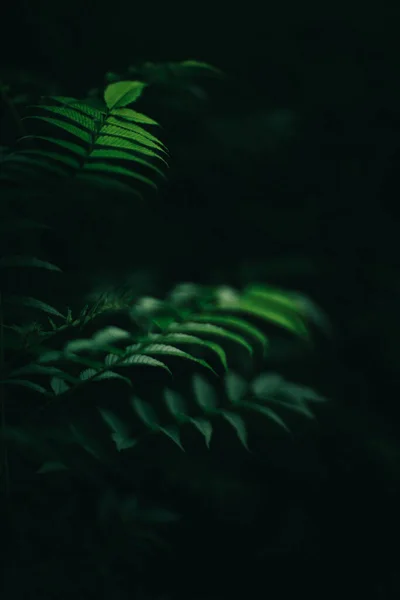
point(134, 128)
point(132, 115)
point(288, 321)
point(123, 143)
point(131, 132)
point(122, 93)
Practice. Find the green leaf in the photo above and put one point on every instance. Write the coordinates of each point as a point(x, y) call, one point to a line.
point(59, 386)
point(303, 393)
point(117, 142)
point(123, 93)
point(102, 340)
point(195, 64)
point(173, 434)
point(80, 345)
point(205, 427)
point(28, 384)
point(26, 261)
point(290, 301)
point(175, 404)
point(120, 434)
point(132, 133)
point(84, 136)
point(239, 324)
point(140, 359)
point(112, 169)
point(209, 329)
point(51, 467)
point(66, 160)
point(78, 105)
point(205, 394)
point(299, 407)
point(145, 412)
point(291, 322)
point(266, 384)
point(112, 375)
point(238, 424)
point(71, 113)
point(185, 294)
point(51, 356)
point(74, 148)
point(236, 387)
point(167, 350)
point(184, 338)
point(270, 294)
point(80, 360)
point(123, 443)
point(111, 154)
point(82, 438)
point(105, 183)
point(87, 374)
point(136, 129)
point(35, 369)
point(33, 303)
point(131, 115)
point(94, 375)
point(267, 412)
point(110, 335)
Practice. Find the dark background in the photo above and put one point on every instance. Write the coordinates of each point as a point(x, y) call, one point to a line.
point(289, 173)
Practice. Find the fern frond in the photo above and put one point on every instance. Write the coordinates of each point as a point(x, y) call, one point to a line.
point(103, 147)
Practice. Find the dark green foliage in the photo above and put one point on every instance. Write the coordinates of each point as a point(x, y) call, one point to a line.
point(179, 365)
point(133, 395)
point(196, 328)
